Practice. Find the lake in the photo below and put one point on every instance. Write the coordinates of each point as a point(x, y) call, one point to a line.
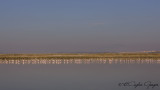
point(80, 74)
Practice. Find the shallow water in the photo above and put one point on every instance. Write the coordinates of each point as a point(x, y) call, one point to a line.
point(79, 74)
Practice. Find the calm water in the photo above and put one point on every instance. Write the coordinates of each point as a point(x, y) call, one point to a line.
point(79, 74)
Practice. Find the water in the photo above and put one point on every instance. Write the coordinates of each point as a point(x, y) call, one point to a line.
point(79, 74)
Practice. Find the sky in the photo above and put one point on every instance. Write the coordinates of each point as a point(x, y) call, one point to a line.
point(70, 26)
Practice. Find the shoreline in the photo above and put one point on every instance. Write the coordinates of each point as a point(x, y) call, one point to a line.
point(80, 56)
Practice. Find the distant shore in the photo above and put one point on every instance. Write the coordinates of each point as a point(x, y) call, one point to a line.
point(80, 56)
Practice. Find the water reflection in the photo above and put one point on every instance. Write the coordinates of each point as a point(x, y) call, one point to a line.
point(82, 61)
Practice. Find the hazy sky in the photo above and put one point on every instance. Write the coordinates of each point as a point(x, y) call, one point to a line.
point(50, 26)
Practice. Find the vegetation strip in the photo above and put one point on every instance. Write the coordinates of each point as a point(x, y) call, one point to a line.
point(80, 56)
